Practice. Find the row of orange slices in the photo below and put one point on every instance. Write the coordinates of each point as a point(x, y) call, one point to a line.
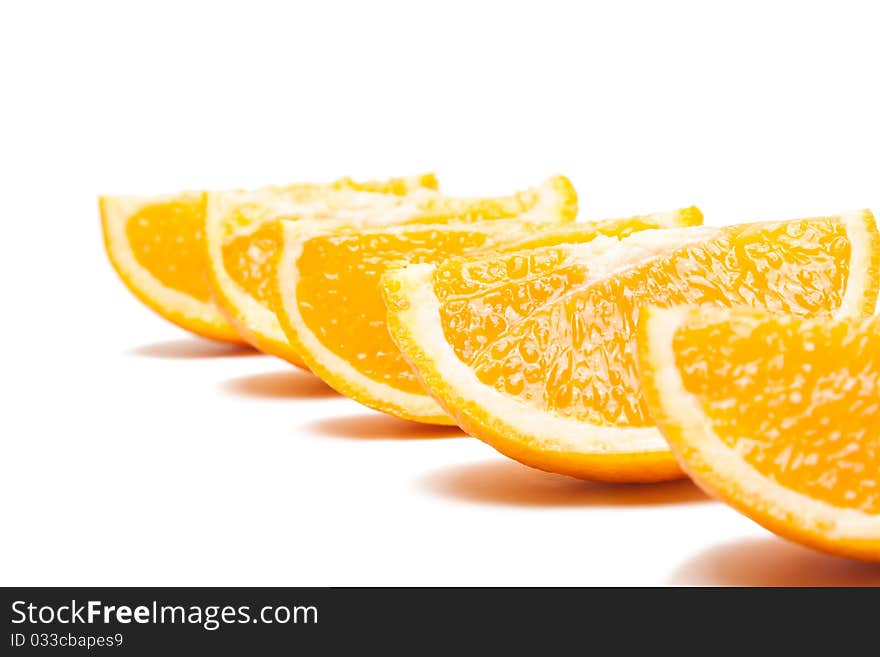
point(629, 350)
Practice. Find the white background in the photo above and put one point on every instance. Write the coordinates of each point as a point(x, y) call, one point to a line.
point(134, 454)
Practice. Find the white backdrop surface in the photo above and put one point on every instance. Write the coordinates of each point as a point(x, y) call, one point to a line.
point(133, 454)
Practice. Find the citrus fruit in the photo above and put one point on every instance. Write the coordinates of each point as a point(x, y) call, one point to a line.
point(156, 245)
point(778, 416)
point(534, 352)
point(330, 300)
point(243, 236)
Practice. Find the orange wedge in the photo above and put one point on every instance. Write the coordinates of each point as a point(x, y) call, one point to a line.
point(156, 245)
point(534, 352)
point(777, 416)
point(243, 237)
point(330, 300)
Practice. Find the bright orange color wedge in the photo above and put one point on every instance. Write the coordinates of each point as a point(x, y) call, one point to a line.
point(777, 416)
point(534, 352)
point(156, 245)
point(243, 236)
point(330, 300)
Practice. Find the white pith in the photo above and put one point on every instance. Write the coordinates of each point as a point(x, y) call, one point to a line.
point(218, 206)
point(859, 257)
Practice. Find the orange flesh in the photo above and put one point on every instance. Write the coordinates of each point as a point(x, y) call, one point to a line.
point(250, 260)
point(166, 240)
point(535, 327)
point(342, 272)
point(341, 302)
point(799, 401)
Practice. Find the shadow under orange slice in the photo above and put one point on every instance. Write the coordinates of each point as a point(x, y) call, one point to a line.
point(772, 562)
point(192, 349)
point(289, 383)
point(375, 426)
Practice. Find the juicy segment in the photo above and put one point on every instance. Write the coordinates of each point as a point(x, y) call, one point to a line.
point(243, 241)
point(342, 273)
point(778, 416)
point(534, 352)
point(350, 346)
point(563, 341)
point(799, 401)
point(165, 239)
point(249, 259)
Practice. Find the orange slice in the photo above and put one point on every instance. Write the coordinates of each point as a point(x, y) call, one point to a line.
point(243, 237)
point(777, 416)
point(156, 245)
point(331, 307)
point(534, 352)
